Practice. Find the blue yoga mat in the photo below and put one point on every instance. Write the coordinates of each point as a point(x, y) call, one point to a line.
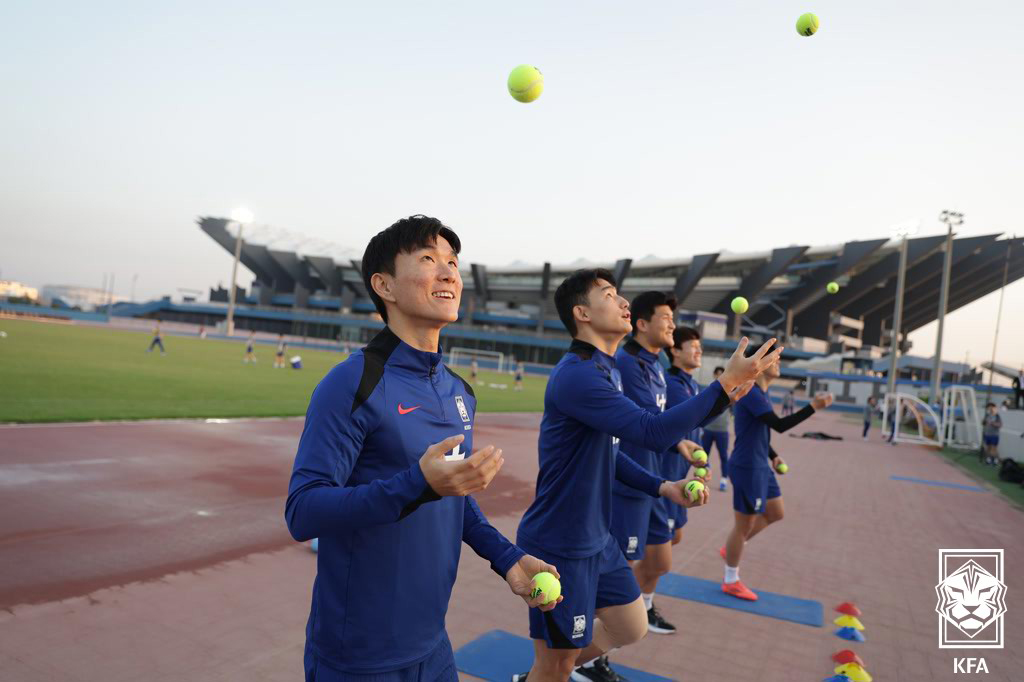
point(497, 655)
point(803, 611)
point(940, 484)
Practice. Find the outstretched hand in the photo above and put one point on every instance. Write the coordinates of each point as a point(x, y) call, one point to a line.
point(741, 369)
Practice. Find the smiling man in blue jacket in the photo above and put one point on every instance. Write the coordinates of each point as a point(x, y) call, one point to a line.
point(383, 476)
point(585, 416)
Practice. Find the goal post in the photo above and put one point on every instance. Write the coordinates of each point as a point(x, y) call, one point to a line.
point(485, 359)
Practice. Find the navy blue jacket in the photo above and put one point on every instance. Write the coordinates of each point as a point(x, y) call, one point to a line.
point(585, 415)
point(643, 382)
point(389, 546)
point(681, 387)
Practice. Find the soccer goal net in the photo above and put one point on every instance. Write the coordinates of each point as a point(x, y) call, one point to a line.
point(485, 359)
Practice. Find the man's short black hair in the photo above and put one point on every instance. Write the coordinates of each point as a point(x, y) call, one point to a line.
point(680, 336)
point(643, 305)
point(719, 369)
point(990, 405)
point(573, 292)
point(405, 236)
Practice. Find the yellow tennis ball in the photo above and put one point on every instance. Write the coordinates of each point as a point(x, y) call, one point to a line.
point(739, 305)
point(525, 83)
point(807, 24)
point(782, 468)
point(700, 457)
point(832, 288)
point(694, 489)
point(548, 584)
point(700, 472)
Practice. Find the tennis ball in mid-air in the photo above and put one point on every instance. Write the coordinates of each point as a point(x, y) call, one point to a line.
point(739, 305)
point(525, 83)
point(807, 24)
point(700, 472)
point(694, 489)
point(548, 584)
point(782, 468)
point(700, 457)
point(832, 288)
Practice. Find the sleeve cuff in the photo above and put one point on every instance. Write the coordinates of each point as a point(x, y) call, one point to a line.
point(507, 560)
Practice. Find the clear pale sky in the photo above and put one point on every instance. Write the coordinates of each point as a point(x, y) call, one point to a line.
point(665, 127)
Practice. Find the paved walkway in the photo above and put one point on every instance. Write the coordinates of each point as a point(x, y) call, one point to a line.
point(157, 550)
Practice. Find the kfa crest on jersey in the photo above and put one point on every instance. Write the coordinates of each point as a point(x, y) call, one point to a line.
point(461, 404)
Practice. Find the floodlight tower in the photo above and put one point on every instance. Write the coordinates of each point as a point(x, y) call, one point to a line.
point(241, 216)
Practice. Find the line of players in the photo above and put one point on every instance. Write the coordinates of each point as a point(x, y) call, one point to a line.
point(616, 440)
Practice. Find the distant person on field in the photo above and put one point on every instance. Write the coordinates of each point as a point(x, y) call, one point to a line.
point(520, 367)
point(474, 369)
point(869, 412)
point(282, 345)
point(250, 355)
point(202, 332)
point(157, 339)
point(991, 425)
point(1018, 391)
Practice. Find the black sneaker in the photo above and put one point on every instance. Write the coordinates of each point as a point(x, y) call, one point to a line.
point(657, 624)
point(601, 671)
point(520, 677)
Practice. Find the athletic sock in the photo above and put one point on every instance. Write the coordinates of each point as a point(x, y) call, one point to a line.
point(732, 574)
point(648, 600)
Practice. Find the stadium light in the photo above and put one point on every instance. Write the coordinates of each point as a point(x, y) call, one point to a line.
point(242, 216)
point(952, 219)
point(904, 231)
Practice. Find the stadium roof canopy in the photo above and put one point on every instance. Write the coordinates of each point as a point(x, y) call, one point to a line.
point(785, 286)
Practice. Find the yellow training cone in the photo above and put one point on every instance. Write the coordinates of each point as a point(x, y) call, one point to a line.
point(854, 672)
point(849, 622)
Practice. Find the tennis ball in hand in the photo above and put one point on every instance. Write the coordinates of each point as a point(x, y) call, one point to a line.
point(782, 468)
point(739, 305)
point(548, 584)
point(694, 489)
point(525, 83)
point(700, 472)
point(832, 288)
point(700, 457)
point(807, 24)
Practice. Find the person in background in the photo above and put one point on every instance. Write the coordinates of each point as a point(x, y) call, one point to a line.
point(279, 357)
point(788, 403)
point(717, 433)
point(474, 370)
point(991, 424)
point(250, 353)
point(869, 412)
point(157, 340)
point(1018, 391)
point(520, 367)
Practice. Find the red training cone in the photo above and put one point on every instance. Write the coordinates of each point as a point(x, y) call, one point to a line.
point(848, 608)
point(847, 656)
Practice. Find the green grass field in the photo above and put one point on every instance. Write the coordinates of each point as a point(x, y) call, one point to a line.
point(969, 462)
point(58, 372)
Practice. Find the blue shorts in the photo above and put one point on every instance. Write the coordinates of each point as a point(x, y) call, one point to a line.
point(678, 519)
point(991, 440)
point(752, 487)
point(595, 582)
point(439, 666)
point(659, 529)
point(631, 517)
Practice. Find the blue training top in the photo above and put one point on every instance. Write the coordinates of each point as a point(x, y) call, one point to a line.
point(585, 415)
point(389, 546)
point(643, 382)
point(753, 436)
point(681, 387)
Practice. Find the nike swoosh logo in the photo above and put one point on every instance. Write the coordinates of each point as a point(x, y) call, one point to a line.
point(406, 410)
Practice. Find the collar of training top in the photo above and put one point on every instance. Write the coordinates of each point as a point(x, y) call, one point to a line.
point(394, 352)
point(633, 347)
point(586, 351)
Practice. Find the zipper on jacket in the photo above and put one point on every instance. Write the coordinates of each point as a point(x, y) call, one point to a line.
point(433, 382)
